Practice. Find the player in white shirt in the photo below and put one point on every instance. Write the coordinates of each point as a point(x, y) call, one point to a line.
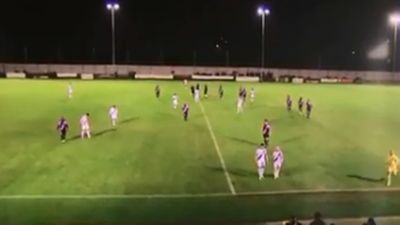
point(113, 113)
point(252, 95)
point(277, 157)
point(70, 91)
point(175, 101)
point(240, 103)
point(196, 95)
point(261, 159)
point(85, 126)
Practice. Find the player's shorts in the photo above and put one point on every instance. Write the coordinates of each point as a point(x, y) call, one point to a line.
point(175, 102)
point(393, 170)
point(85, 127)
point(114, 117)
point(266, 136)
point(277, 165)
point(261, 163)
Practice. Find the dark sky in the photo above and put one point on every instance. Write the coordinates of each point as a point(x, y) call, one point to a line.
point(301, 33)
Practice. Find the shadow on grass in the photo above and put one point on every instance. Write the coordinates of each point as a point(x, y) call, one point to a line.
point(73, 138)
point(103, 132)
point(292, 139)
point(244, 141)
point(240, 172)
point(128, 120)
point(369, 179)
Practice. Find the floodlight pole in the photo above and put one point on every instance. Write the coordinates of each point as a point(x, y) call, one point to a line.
point(395, 48)
point(263, 13)
point(263, 40)
point(113, 8)
point(113, 34)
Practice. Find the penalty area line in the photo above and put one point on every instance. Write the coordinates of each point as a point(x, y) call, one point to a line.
point(218, 150)
point(202, 195)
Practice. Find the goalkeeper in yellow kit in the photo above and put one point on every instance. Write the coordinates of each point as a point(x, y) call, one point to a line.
point(392, 166)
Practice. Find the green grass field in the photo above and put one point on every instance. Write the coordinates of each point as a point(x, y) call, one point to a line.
point(157, 161)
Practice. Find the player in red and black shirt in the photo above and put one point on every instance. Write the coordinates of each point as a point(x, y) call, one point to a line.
point(157, 91)
point(206, 91)
point(243, 93)
point(289, 103)
point(309, 107)
point(221, 91)
point(300, 104)
point(192, 90)
point(266, 131)
point(185, 111)
point(62, 127)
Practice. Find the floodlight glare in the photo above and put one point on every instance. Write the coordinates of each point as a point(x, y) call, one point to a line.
point(395, 19)
point(109, 6)
point(266, 12)
point(260, 11)
point(116, 6)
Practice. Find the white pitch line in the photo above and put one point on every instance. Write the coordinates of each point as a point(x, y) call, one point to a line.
point(117, 196)
point(202, 195)
point(221, 159)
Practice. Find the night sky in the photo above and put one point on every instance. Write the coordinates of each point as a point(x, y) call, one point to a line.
point(300, 33)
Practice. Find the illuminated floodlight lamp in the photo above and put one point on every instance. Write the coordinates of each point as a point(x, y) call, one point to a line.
point(395, 19)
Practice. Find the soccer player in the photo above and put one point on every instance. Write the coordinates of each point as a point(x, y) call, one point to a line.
point(240, 103)
point(289, 103)
point(261, 159)
point(196, 95)
point(393, 166)
point(206, 91)
point(240, 91)
point(70, 90)
point(62, 127)
point(252, 95)
point(175, 101)
point(85, 127)
point(277, 157)
point(113, 113)
point(243, 93)
point(192, 90)
point(300, 104)
point(266, 131)
point(157, 91)
point(185, 111)
point(309, 107)
point(221, 91)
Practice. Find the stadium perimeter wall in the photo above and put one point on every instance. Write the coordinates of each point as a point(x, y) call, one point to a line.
point(192, 72)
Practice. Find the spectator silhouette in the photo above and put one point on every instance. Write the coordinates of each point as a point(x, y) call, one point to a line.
point(317, 219)
point(293, 221)
point(370, 221)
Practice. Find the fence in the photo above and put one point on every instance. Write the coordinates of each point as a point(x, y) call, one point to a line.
point(370, 76)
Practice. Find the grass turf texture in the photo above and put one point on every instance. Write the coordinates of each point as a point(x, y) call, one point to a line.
point(153, 151)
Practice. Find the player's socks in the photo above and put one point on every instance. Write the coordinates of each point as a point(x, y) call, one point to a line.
point(389, 180)
point(260, 174)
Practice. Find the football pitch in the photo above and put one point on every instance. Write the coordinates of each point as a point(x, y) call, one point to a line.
point(156, 168)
